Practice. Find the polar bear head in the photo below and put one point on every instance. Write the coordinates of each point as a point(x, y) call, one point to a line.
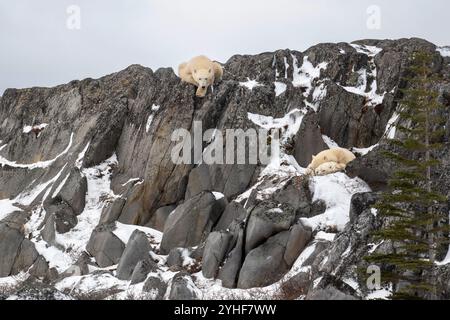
point(329, 167)
point(204, 78)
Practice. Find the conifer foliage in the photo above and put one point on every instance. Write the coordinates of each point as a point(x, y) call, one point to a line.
point(411, 208)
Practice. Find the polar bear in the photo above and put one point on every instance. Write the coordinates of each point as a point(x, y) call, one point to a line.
point(201, 72)
point(329, 167)
point(337, 155)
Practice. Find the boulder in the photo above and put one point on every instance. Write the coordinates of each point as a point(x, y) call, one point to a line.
point(142, 269)
point(265, 220)
point(233, 211)
point(10, 243)
point(216, 247)
point(74, 190)
point(191, 221)
point(183, 288)
point(230, 270)
point(137, 249)
point(265, 264)
point(308, 140)
point(154, 284)
point(158, 220)
point(105, 246)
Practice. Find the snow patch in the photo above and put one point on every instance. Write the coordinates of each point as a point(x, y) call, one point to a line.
point(336, 191)
point(391, 126)
point(39, 164)
point(329, 142)
point(280, 88)
point(124, 231)
point(250, 84)
point(364, 151)
point(305, 75)
point(444, 51)
point(39, 127)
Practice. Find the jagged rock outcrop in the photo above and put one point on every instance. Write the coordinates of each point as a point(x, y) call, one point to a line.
point(102, 159)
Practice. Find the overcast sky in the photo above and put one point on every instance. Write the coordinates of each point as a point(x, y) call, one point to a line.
point(37, 48)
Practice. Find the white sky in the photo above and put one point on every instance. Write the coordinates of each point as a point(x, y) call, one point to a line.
point(37, 49)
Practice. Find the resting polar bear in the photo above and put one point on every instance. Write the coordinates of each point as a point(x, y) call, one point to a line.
point(328, 167)
point(338, 155)
point(201, 72)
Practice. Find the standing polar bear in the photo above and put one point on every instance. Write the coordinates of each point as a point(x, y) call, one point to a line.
point(339, 156)
point(201, 72)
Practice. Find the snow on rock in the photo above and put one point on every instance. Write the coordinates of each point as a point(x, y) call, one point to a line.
point(39, 164)
point(444, 51)
point(325, 236)
point(38, 128)
point(28, 196)
point(292, 120)
point(280, 88)
point(305, 75)
point(124, 231)
point(370, 51)
point(391, 126)
point(7, 207)
point(150, 117)
point(380, 294)
point(364, 151)
point(72, 243)
point(80, 158)
point(218, 195)
point(250, 84)
point(336, 191)
point(329, 142)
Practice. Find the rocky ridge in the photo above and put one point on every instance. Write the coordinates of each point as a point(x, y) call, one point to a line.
point(92, 205)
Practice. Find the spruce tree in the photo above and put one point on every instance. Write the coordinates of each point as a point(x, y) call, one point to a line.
point(411, 208)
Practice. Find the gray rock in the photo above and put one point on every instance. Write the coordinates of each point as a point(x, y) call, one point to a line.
point(298, 239)
point(142, 269)
point(74, 191)
point(48, 233)
point(183, 288)
point(137, 249)
point(266, 220)
point(360, 202)
point(105, 246)
point(308, 140)
point(26, 257)
point(230, 270)
point(63, 217)
point(158, 220)
point(112, 211)
point(199, 180)
point(191, 221)
point(10, 242)
point(265, 264)
point(233, 211)
point(155, 283)
point(175, 257)
point(216, 247)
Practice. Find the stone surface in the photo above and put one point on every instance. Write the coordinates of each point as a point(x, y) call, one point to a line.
point(216, 247)
point(142, 269)
point(105, 246)
point(137, 249)
point(191, 221)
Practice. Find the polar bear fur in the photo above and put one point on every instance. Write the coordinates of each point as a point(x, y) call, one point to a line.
point(337, 155)
point(201, 72)
point(328, 168)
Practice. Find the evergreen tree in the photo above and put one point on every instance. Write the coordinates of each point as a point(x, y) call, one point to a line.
point(411, 208)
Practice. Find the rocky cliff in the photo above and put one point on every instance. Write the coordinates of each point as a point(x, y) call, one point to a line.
point(92, 205)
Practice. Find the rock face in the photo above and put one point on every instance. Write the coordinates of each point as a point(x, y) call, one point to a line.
point(191, 222)
point(106, 155)
point(105, 246)
point(137, 250)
